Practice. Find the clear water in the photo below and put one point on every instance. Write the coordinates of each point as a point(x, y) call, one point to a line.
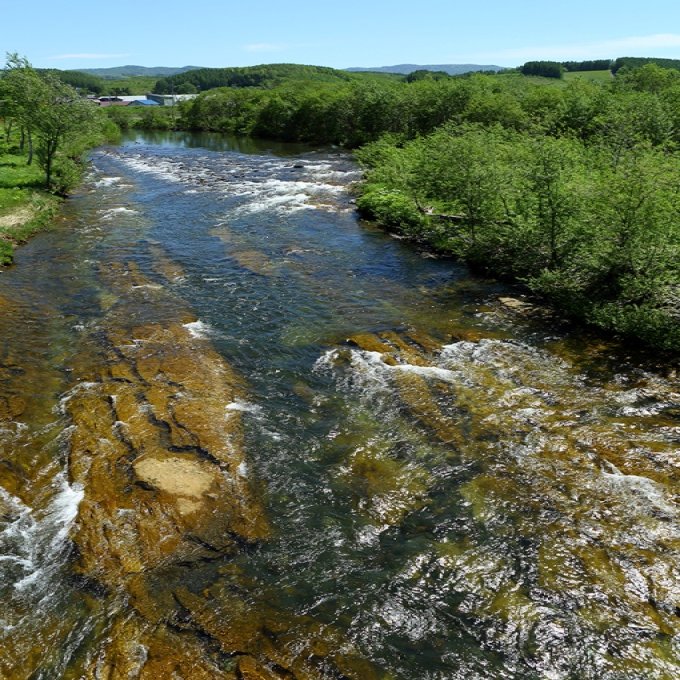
point(497, 501)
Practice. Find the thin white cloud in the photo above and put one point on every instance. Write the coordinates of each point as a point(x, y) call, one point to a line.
point(90, 55)
point(617, 47)
point(265, 47)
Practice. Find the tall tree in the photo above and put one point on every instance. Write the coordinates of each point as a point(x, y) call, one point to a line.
point(50, 110)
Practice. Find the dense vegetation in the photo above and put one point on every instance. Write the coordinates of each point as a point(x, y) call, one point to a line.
point(547, 69)
point(83, 82)
point(87, 83)
point(357, 111)
point(578, 197)
point(24, 207)
point(47, 127)
point(42, 114)
point(637, 62)
point(589, 65)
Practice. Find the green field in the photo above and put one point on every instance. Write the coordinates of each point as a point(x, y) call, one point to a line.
point(594, 76)
point(132, 84)
point(24, 209)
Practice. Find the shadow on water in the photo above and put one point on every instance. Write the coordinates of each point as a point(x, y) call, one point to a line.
point(215, 141)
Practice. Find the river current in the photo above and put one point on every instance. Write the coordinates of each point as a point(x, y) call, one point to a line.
point(245, 435)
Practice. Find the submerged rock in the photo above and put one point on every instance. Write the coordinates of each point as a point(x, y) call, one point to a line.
point(160, 456)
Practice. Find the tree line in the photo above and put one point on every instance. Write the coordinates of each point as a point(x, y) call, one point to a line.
point(589, 65)
point(637, 62)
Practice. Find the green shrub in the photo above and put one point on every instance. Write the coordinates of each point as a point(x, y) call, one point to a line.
point(6, 253)
point(392, 209)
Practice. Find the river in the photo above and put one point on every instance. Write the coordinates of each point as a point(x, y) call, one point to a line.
point(244, 435)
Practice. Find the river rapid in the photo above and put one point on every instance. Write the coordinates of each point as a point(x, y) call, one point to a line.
point(244, 435)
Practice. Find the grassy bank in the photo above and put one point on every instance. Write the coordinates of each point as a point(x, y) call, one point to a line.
point(48, 119)
point(24, 207)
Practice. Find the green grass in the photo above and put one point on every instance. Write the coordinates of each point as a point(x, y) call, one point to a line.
point(15, 173)
point(594, 76)
point(134, 84)
point(20, 194)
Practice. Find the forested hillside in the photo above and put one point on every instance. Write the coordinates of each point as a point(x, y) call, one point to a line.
point(267, 75)
point(87, 83)
point(637, 62)
point(115, 72)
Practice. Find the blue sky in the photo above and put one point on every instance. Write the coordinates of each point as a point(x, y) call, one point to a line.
point(82, 34)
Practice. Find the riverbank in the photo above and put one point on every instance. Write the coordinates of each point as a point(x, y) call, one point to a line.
point(593, 236)
point(24, 208)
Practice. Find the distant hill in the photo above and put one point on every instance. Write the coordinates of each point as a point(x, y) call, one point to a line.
point(405, 69)
point(123, 71)
point(262, 76)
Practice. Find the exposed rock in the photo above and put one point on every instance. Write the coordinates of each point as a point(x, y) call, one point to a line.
point(275, 645)
point(164, 266)
point(515, 303)
point(254, 261)
point(135, 650)
point(412, 349)
point(11, 407)
point(159, 457)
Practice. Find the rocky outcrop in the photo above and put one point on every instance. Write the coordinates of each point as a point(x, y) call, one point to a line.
point(160, 456)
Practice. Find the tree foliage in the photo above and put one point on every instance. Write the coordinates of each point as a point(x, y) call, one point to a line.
point(51, 114)
point(636, 62)
point(547, 69)
point(580, 202)
point(589, 65)
point(83, 82)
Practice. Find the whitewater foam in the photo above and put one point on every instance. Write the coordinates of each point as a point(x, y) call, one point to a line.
point(107, 181)
point(111, 213)
point(198, 329)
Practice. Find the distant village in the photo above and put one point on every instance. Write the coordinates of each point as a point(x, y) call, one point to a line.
point(142, 100)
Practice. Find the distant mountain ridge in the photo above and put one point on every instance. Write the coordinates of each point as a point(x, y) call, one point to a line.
point(131, 70)
point(451, 69)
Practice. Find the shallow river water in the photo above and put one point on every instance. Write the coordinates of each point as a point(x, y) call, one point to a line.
point(244, 435)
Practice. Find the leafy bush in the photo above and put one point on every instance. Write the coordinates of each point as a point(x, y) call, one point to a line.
point(392, 209)
point(592, 226)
